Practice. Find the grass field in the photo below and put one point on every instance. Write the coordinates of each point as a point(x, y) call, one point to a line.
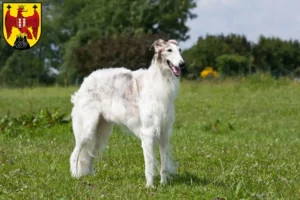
point(236, 139)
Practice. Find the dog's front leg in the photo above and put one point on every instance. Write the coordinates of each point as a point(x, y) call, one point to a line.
point(167, 166)
point(164, 156)
point(148, 150)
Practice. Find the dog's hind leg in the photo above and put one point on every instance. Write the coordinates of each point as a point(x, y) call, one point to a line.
point(85, 131)
point(104, 130)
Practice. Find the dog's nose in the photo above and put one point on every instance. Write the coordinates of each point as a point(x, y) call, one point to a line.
point(181, 65)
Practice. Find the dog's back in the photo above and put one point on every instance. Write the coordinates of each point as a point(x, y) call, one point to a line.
point(112, 92)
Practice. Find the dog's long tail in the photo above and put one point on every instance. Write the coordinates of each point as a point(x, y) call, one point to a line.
point(81, 162)
point(74, 97)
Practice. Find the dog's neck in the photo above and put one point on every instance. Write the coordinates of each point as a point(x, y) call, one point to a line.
point(158, 69)
point(163, 79)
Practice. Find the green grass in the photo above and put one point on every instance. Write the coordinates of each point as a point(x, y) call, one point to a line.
point(235, 139)
point(20, 101)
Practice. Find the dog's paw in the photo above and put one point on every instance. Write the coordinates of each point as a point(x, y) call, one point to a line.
point(164, 182)
point(149, 186)
point(164, 179)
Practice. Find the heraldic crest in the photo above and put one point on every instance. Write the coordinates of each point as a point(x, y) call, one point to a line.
point(22, 24)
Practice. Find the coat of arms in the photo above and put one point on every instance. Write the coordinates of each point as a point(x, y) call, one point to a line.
point(22, 24)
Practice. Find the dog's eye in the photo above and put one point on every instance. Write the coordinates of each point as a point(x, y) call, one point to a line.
point(179, 50)
point(169, 50)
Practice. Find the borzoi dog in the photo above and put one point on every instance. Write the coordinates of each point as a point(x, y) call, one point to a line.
point(141, 101)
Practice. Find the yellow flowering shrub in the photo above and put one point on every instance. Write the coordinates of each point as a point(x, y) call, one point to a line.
point(209, 72)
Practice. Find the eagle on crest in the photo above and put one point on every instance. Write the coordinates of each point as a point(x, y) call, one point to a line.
point(22, 23)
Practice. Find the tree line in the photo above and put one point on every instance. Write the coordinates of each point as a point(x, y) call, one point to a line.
point(79, 37)
point(71, 27)
point(235, 55)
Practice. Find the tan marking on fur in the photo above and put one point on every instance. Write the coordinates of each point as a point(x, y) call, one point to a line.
point(159, 56)
point(128, 93)
point(173, 42)
point(128, 76)
point(158, 44)
point(139, 84)
point(131, 105)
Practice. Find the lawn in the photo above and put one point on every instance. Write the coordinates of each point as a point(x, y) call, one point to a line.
point(233, 139)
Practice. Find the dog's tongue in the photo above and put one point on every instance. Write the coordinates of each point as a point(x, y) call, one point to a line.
point(176, 70)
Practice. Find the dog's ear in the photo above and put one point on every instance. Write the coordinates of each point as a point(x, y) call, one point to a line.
point(158, 45)
point(173, 42)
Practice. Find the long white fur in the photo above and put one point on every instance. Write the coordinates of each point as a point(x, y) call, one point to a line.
point(142, 101)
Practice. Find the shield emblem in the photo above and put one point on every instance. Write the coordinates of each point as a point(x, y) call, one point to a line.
point(22, 24)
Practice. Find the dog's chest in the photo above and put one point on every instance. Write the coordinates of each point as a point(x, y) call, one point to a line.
point(157, 112)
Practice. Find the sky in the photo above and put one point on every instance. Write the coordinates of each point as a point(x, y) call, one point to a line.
point(280, 18)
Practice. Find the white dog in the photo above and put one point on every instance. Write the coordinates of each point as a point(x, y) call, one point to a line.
point(142, 101)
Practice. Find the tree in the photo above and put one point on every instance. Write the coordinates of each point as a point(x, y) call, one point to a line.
point(94, 20)
point(24, 68)
point(233, 65)
point(122, 51)
point(208, 48)
point(71, 24)
point(277, 56)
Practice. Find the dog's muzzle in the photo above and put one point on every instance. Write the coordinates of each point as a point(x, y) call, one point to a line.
point(175, 69)
point(182, 65)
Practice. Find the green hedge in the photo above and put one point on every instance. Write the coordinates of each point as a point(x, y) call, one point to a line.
point(232, 65)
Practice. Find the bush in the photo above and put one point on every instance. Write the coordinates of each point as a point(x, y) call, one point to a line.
point(12, 126)
point(231, 65)
point(209, 72)
point(296, 73)
point(208, 48)
point(122, 51)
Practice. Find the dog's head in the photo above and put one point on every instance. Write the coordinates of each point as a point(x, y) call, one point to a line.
point(169, 54)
